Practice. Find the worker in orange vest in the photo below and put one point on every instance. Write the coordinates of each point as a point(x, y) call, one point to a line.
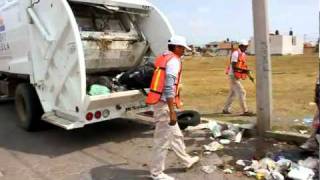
point(164, 96)
point(238, 70)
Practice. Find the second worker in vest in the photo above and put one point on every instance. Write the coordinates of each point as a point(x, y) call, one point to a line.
point(238, 70)
point(164, 96)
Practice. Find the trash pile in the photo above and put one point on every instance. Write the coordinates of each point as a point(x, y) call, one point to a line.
point(271, 167)
point(221, 135)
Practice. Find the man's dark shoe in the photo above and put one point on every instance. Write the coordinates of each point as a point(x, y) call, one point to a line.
point(248, 113)
point(226, 112)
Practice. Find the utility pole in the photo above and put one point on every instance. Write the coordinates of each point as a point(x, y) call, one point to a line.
point(263, 62)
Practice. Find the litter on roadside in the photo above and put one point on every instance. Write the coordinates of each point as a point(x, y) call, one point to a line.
point(311, 163)
point(301, 173)
point(250, 173)
point(208, 169)
point(228, 171)
point(198, 127)
point(241, 163)
point(238, 137)
point(215, 128)
point(225, 141)
point(214, 146)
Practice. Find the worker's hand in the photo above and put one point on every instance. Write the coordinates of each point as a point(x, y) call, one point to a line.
point(173, 118)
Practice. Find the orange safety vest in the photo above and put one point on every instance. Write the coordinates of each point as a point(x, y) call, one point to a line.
point(241, 64)
point(159, 78)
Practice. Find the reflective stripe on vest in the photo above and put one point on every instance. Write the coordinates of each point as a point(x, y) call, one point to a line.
point(159, 78)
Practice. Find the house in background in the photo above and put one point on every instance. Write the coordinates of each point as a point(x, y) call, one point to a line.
point(223, 48)
point(282, 44)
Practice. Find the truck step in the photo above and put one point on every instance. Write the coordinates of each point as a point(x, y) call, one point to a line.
point(51, 117)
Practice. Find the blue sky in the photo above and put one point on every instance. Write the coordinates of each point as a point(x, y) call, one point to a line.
point(203, 21)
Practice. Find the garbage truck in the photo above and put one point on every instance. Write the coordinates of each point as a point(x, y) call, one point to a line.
point(53, 51)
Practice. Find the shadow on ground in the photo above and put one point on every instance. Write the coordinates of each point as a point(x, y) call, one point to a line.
point(55, 141)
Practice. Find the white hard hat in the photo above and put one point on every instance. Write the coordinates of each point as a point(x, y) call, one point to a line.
point(179, 40)
point(244, 42)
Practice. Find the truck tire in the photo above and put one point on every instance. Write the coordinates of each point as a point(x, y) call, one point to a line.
point(188, 118)
point(28, 107)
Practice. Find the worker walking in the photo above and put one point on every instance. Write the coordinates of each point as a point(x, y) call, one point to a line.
point(164, 96)
point(238, 70)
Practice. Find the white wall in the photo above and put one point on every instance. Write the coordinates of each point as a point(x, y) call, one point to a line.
point(282, 45)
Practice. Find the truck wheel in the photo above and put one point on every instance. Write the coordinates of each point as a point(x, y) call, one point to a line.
point(28, 107)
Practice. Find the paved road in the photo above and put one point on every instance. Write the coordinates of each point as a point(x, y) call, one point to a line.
point(117, 150)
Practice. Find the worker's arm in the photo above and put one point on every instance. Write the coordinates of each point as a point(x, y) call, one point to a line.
point(170, 94)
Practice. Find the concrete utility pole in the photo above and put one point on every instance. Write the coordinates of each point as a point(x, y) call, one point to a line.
point(263, 69)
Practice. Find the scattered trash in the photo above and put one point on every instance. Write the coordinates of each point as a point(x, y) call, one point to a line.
point(267, 163)
point(260, 176)
point(228, 134)
point(214, 146)
point(253, 167)
point(198, 127)
point(215, 128)
point(283, 164)
point(311, 163)
point(238, 137)
point(208, 169)
point(250, 173)
point(301, 173)
point(225, 141)
point(207, 152)
point(241, 163)
point(275, 175)
point(228, 171)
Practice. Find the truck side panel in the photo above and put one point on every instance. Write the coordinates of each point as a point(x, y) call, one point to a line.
point(58, 64)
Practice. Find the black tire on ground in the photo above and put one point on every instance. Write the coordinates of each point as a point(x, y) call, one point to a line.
point(188, 118)
point(28, 107)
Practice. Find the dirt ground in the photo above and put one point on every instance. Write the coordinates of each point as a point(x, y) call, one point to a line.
point(293, 79)
point(114, 150)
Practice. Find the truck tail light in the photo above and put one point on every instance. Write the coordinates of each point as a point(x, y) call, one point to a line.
point(89, 116)
point(97, 115)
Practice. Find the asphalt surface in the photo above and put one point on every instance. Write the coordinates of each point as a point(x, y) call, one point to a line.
point(118, 150)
